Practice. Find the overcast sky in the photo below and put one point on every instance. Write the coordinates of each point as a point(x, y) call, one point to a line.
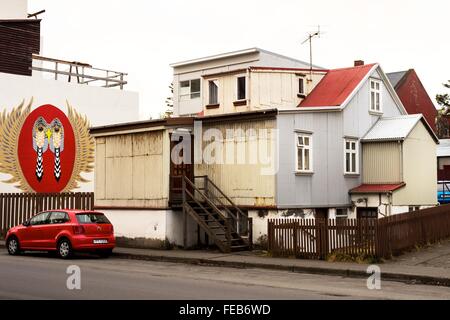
point(144, 37)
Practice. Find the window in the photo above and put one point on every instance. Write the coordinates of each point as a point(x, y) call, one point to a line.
point(375, 95)
point(39, 219)
point(92, 218)
point(301, 86)
point(241, 88)
point(213, 92)
point(351, 160)
point(58, 217)
point(189, 89)
point(304, 153)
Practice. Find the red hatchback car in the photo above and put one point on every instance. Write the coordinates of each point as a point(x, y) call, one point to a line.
point(63, 231)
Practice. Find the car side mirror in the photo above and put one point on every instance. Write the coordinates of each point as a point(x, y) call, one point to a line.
point(26, 223)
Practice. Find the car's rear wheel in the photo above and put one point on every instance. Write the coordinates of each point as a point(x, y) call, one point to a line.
point(13, 246)
point(64, 249)
point(105, 253)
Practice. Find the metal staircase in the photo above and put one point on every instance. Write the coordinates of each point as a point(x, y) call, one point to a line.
point(224, 222)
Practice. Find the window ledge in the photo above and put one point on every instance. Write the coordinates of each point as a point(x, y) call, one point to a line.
point(240, 103)
point(212, 106)
point(304, 173)
point(376, 113)
point(351, 175)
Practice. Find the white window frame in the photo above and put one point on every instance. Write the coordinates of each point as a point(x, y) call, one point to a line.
point(188, 96)
point(237, 87)
point(377, 93)
point(304, 147)
point(216, 82)
point(351, 152)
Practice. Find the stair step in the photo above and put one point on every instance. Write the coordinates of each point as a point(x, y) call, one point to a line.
point(244, 246)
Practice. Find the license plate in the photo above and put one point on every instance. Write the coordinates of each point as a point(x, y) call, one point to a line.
point(100, 241)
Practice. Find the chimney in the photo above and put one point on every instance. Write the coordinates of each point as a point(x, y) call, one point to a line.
point(359, 63)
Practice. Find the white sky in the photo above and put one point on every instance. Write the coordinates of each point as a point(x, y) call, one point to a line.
point(144, 37)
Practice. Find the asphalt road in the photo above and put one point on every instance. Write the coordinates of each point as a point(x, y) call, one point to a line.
point(39, 276)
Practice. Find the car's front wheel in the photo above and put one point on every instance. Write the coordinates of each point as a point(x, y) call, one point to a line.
point(13, 246)
point(64, 249)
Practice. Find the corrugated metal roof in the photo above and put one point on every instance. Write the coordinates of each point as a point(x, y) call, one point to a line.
point(443, 149)
point(336, 86)
point(377, 188)
point(392, 128)
point(395, 77)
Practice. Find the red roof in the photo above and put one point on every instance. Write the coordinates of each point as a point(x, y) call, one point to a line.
point(336, 86)
point(377, 188)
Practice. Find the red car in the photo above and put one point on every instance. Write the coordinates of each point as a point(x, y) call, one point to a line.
point(63, 231)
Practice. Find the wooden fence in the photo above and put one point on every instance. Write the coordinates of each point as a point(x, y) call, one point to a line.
point(381, 238)
point(15, 208)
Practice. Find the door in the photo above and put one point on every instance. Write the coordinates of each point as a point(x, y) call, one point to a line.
point(183, 165)
point(32, 236)
point(50, 231)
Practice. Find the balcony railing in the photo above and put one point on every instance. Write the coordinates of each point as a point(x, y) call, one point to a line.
point(81, 73)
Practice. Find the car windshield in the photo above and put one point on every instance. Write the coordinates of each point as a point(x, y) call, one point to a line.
point(92, 218)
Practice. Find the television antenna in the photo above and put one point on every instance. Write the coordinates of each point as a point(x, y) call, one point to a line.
point(311, 35)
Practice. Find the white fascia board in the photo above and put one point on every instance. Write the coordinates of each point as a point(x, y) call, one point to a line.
point(311, 109)
point(360, 84)
point(214, 57)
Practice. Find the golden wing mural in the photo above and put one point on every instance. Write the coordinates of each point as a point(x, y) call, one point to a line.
point(23, 148)
point(10, 127)
point(84, 148)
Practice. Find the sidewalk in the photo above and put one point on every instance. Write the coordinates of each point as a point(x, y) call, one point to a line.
point(391, 270)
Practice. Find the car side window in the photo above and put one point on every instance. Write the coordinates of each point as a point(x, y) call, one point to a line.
point(58, 217)
point(39, 219)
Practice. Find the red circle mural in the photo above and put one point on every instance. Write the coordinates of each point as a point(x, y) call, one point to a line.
point(46, 149)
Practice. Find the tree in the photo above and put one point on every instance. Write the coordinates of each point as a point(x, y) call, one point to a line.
point(442, 121)
point(169, 105)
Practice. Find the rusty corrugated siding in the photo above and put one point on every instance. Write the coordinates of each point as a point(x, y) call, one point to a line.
point(19, 39)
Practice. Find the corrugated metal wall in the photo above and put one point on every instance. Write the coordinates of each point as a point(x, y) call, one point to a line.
point(382, 162)
point(242, 182)
point(129, 170)
point(18, 41)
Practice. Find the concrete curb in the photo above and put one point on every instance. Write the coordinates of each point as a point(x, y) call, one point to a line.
point(400, 277)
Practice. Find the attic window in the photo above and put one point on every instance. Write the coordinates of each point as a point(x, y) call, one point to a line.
point(375, 96)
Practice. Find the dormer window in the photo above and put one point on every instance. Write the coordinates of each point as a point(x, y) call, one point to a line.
point(375, 96)
point(189, 89)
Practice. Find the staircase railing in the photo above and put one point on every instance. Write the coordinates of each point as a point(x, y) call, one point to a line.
point(222, 201)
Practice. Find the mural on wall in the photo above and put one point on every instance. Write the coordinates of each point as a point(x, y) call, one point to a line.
point(44, 150)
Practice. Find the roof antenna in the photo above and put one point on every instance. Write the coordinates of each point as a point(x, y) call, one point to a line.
point(310, 37)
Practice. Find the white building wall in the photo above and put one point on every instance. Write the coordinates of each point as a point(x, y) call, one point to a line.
point(151, 228)
point(13, 9)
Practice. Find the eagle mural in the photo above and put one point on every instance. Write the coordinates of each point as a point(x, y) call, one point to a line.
point(60, 144)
